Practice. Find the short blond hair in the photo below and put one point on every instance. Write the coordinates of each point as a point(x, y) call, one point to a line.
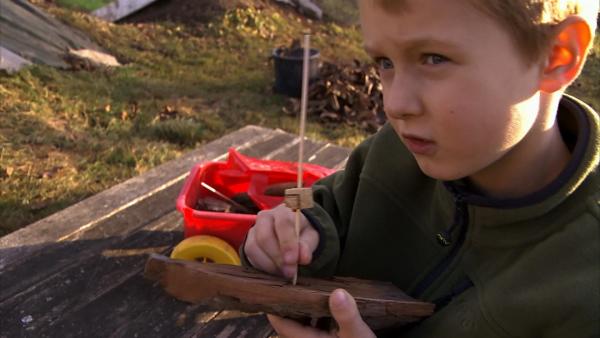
point(529, 22)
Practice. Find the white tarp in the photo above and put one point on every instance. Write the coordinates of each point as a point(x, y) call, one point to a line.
point(10, 61)
point(119, 9)
point(306, 7)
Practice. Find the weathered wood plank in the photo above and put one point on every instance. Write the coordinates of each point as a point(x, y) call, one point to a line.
point(331, 156)
point(278, 139)
point(105, 296)
point(233, 324)
point(290, 151)
point(63, 254)
point(85, 276)
point(78, 272)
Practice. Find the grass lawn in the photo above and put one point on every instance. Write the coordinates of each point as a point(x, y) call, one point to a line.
point(66, 135)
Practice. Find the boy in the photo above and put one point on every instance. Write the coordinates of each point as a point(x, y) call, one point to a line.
point(481, 194)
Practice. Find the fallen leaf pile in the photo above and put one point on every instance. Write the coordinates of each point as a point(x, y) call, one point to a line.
point(349, 94)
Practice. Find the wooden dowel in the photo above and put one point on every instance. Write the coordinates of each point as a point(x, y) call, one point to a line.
point(305, 71)
point(305, 68)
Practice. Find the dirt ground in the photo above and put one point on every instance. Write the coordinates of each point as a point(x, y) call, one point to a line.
point(195, 12)
point(190, 12)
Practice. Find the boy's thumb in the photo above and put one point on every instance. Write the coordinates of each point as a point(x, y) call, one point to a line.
point(345, 312)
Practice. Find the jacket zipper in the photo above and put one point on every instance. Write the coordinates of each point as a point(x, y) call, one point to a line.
point(445, 238)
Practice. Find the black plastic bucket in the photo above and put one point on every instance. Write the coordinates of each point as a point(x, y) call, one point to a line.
point(288, 70)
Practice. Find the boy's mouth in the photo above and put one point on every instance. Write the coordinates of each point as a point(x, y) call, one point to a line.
point(418, 145)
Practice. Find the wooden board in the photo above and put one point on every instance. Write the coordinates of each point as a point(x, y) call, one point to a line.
point(79, 272)
point(381, 305)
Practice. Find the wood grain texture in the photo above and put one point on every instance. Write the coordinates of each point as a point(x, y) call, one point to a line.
point(298, 198)
point(233, 287)
point(79, 272)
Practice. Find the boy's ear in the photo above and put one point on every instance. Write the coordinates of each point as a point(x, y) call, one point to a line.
point(566, 56)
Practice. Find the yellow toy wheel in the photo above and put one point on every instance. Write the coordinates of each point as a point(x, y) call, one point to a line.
point(205, 248)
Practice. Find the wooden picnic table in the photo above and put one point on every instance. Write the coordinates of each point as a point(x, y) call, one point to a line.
point(79, 272)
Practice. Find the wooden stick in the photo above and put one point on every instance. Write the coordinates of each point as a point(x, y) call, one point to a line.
point(305, 67)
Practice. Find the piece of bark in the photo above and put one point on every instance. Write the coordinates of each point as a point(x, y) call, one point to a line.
point(230, 287)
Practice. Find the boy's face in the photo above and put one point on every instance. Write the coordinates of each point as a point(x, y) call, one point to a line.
point(456, 89)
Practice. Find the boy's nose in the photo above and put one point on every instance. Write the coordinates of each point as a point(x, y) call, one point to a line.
point(401, 99)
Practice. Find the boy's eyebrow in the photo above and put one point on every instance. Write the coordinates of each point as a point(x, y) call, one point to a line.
point(369, 50)
point(415, 44)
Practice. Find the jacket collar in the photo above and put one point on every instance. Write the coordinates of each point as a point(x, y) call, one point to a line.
point(491, 217)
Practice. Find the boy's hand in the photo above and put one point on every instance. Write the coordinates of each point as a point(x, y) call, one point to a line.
point(344, 311)
point(272, 245)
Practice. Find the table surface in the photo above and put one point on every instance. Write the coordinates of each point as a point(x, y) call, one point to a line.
point(79, 272)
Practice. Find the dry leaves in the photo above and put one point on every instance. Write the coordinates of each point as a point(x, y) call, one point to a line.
point(349, 94)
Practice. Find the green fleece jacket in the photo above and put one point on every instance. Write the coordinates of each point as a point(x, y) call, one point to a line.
point(526, 267)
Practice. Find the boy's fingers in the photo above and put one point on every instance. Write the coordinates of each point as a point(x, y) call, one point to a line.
point(259, 259)
point(306, 253)
point(345, 312)
point(289, 271)
point(266, 240)
point(309, 240)
point(288, 242)
point(305, 256)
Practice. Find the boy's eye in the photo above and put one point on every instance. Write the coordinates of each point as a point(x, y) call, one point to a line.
point(384, 63)
point(434, 59)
